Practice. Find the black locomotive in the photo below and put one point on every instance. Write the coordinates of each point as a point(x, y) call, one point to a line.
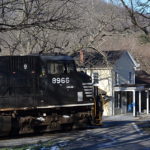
point(43, 93)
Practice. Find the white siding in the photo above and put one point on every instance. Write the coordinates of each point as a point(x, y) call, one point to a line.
point(105, 83)
point(105, 79)
point(124, 67)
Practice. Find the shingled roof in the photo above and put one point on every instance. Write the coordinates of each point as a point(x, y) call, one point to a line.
point(98, 59)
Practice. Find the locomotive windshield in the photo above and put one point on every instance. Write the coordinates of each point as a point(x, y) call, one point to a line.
point(60, 67)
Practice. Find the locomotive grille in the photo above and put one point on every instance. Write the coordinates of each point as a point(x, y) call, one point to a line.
point(88, 89)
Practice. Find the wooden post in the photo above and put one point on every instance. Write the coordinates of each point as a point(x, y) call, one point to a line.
point(140, 109)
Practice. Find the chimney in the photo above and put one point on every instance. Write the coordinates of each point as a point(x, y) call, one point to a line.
point(81, 57)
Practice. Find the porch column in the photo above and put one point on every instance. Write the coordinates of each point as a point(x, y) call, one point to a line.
point(147, 101)
point(140, 110)
point(113, 103)
point(134, 109)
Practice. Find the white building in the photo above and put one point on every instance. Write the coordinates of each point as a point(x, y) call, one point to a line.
point(114, 73)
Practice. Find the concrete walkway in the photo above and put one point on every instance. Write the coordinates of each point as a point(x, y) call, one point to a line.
point(127, 117)
point(129, 132)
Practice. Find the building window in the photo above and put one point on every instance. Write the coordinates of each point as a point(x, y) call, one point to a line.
point(95, 78)
point(116, 78)
point(130, 77)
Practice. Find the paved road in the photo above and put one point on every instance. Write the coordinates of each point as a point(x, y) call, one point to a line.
point(120, 133)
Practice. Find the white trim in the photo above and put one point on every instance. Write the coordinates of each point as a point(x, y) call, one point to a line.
point(134, 107)
point(139, 88)
point(98, 68)
point(140, 109)
point(147, 102)
point(89, 95)
point(88, 87)
point(133, 60)
point(87, 83)
point(70, 105)
point(88, 90)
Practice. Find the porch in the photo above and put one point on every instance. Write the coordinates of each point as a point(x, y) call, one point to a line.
point(131, 99)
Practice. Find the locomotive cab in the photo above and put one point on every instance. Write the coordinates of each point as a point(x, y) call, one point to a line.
point(60, 83)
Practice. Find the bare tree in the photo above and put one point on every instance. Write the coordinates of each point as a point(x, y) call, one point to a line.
point(42, 26)
point(103, 21)
point(139, 14)
point(50, 14)
point(26, 25)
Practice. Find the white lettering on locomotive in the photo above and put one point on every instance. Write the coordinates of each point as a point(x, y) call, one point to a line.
point(60, 80)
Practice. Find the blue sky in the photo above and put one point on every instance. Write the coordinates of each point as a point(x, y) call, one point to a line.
point(142, 1)
point(134, 2)
point(127, 1)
